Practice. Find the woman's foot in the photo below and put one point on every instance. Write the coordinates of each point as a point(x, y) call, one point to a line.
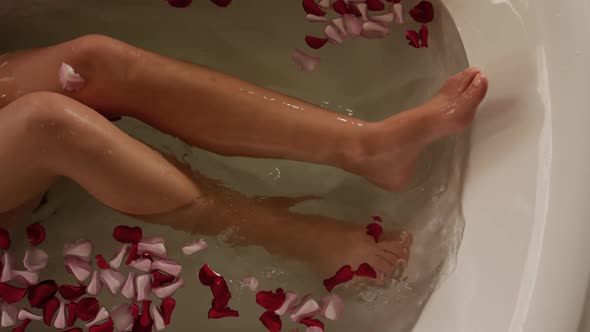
point(394, 145)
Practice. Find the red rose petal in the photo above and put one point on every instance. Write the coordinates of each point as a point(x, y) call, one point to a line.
point(221, 293)
point(169, 266)
point(167, 307)
point(365, 270)
point(377, 218)
point(4, 239)
point(207, 276)
point(134, 309)
point(180, 3)
point(343, 275)
point(49, 309)
point(290, 299)
point(374, 230)
point(271, 321)
point(101, 262)
point(22, 326)
point(311, 7)
point(271, 301)
point(87, 309)
point(138, 328)
point(104, 327)
point(315, 42)
point(340, 7)
point(423, 12)
point(353, 9)
point(41, 293)
point(312, 322)
point(133, 253)
point(12, 294)
point(72, 309)
point(375, 5)
point(126, 234)
point(222, 3)
point(145, 319)
point(75, 329)
point(72, 293)
point(414, 38)
point(160, 279)
point(424, 36)
point(36, 234)
point(225, 312)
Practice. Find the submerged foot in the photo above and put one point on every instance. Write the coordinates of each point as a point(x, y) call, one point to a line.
point(394, 145)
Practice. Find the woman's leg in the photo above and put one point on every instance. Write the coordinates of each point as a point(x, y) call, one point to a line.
point(229, 116)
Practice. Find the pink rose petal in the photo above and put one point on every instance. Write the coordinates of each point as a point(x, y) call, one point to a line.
point(362, 8)
point(374, 30)
point(325, 4)
point(128, 289)
point(141, 264)
point(112, 279)
point(311, 7)
point(290, 299)
point(339, 23)
point(104, 327)
point(35, 259)
point(25, 277)
point(315, 18)
point(122, 318)
point(95, 286)
point(69, 79)
point(9, 315)
point(333, 34)
point(81, 249)
point(156, 249)
point(7, 267)
point(25, 314)
point(332, 307)
point(305, 61)
point(157, 317)
point(307, 308)
point(385, 18)
point(78, 267)
point(194, 247)
point(314, 329)
point(251, 283)
point(143, 286)
point(169, 266)
point(117, 259)
point(101, 316)
point(60, 320)
point(353, 24)
point(398, 12)
point(167, 291)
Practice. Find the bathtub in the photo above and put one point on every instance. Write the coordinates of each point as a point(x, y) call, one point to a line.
point(523, 263)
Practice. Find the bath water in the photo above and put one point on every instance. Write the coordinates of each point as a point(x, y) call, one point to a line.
point(370, 79)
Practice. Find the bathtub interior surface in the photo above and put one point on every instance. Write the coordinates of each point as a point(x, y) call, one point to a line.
point(368, 79)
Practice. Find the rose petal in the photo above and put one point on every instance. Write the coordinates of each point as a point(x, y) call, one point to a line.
point(142, 286)
point(25, 277)
point(180, 3)
point(101, 262)
point(141, 264)
point(23, 326)
point(222, 3)
point(69, 79)
point(311, 7)
point(194, 246)
point(167, 307)
point(104, 327)
point(374, 230)
point(121, 316)
point(315, 42)
point(113, 280)
point(60, 320)
point(271, 301)
point(169, 290)
point(126, 234)
point(365, 270)
point(325, 4)
point(339, 23)
point(375, 5)
point(398, 12)
point(305, 61)
point(157, 317)
point(128, 289)
point(362, 9)
point(134, 310)
point(35, 234)
point(374, 30)
point(11, 294)
point(316, 19)
point(423, 12)
point(271, 321)
point(72, 309)
point(157, 249)
point(72, 293)
point(225, 312)
point(221, 294)
point(169, 266)
point(251, 283)
point(35, 259)
point(414, 38)
point(344, 274)
point(133, 254)
point(25, 314)
point(290, 299)
point(81, 249)
point(340, 7)
point(385, 18)
point(41, 293)
point(424, 36)
point(87, 309)
point(145, 319)
point(377, 218)
point(309, 322)
point(101, 316)
point(95, 286)
point(307, 308)
point(9, 315)
point(353, 24)
point(117, 259)
point(7, 264)
point(79, 268)
point(332, 307)
point(75, 329)
point(207, 276)
point(49, 309)
point(333, 34)
point(314, 329)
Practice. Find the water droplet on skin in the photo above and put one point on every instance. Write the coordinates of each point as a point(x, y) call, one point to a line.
point(109, 152)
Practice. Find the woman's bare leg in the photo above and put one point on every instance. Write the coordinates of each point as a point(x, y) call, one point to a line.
point(46, 135)
point(233, 117)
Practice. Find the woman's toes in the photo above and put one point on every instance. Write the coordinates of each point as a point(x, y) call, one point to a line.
point(455, 85)
point(381, 265)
